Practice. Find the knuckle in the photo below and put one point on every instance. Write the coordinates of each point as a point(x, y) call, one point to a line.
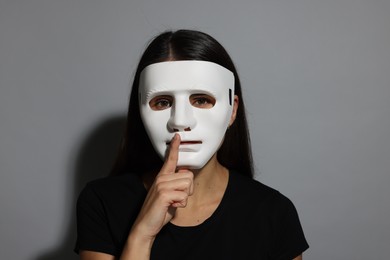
point(159, 178)
point(184, 196)
point(190, 175)
point(160, 189)
point(187, 182)
point(164, 196)
point(183, 203)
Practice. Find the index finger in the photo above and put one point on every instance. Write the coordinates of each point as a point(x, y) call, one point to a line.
point(173, 156)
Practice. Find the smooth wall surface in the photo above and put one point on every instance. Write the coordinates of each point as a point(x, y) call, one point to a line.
point(316, 79)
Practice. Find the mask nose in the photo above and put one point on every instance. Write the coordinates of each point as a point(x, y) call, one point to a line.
point(182, 118)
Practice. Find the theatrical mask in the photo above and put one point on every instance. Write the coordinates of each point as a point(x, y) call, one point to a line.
point(192, 98)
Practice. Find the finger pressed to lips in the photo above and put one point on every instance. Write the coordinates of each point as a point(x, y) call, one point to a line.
point(173, 156)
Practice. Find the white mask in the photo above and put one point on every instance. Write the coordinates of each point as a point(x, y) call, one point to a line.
point(169, 104)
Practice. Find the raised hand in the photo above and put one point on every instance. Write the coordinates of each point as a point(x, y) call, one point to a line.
point(169, 191)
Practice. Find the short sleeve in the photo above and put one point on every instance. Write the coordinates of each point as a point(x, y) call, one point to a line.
point(93, 233)
point(289, 240)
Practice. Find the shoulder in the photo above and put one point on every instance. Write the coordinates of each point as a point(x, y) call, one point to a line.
point(259, 195)
point(105, 210)
point(267, 216)
point(112, 188)
point(113, 183)
point(244, 186)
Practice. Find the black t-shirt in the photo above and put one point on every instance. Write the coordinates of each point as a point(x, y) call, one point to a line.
point(252, 221)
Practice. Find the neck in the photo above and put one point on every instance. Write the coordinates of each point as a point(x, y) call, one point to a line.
point(210, 184)
point(208, 181)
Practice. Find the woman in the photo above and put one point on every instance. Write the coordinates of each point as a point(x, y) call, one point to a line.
point(182, 187)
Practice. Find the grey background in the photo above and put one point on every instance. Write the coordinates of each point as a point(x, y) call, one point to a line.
point(316, 80)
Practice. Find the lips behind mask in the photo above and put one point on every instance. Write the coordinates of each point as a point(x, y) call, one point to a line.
point(172, 85)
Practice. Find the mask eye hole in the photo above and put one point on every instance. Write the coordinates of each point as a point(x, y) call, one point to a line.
point(203, 101)
point(161, 102)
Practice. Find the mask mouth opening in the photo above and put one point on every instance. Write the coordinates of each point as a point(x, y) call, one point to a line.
point(186, 142)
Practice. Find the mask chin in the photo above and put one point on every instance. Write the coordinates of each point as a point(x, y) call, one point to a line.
point(194, 161)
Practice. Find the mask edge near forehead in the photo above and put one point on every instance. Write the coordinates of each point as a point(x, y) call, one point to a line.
point(217, 73)
point(207, 63)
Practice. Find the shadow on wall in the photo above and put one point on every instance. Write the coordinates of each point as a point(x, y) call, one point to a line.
point(94, 159)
